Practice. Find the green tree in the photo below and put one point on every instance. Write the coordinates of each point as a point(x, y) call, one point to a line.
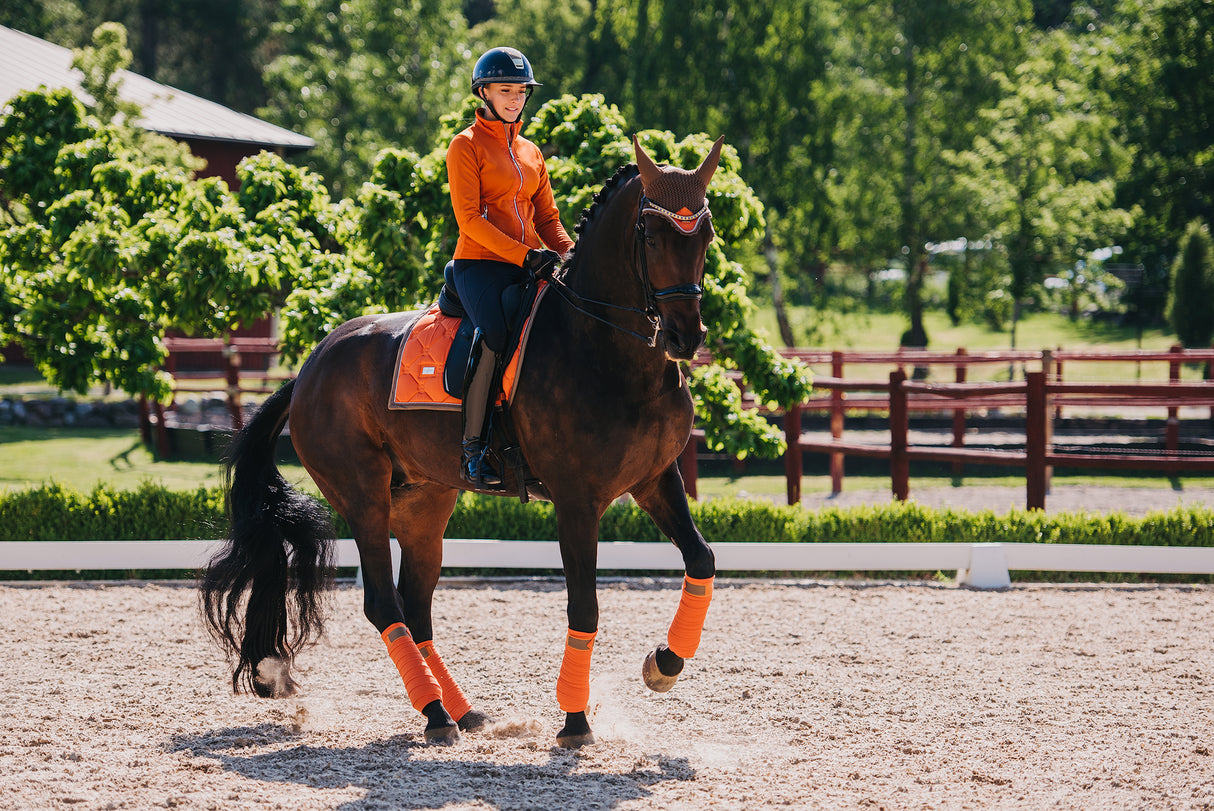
point(758, 72)
point(936, 59)
point(106, 241)
point(112, 251)
point(359, 76)
point(1191, 298)
point(1164, 96)
point(1044, 171)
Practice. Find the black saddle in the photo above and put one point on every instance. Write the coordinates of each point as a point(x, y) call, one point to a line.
point(516, 303)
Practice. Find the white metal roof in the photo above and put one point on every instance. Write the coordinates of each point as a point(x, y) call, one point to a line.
point(27, 63)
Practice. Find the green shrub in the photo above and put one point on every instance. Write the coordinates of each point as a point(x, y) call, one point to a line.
point(52, 512)
point(151, 512)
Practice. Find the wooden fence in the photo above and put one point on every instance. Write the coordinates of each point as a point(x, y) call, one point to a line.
point(235, 378)
point(1040, 397)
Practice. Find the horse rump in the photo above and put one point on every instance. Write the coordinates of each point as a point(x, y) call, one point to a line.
point(261, 594)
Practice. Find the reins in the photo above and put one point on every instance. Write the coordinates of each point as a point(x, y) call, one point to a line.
point(686, 224)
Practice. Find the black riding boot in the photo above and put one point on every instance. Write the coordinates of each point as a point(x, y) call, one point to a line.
point(475, 468)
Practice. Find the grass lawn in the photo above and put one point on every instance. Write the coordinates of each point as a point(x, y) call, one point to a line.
point(81, 459)
point(1037, 331)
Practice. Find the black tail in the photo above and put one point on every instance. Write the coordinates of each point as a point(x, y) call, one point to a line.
point(279, 552)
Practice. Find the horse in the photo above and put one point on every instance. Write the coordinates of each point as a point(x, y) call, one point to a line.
point(601, 408)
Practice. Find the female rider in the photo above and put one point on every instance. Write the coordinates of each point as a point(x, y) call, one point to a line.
point(509, 227)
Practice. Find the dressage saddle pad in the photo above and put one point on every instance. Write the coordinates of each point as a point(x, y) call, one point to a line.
point(426, 353)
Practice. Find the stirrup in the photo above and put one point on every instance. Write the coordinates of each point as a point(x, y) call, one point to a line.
point(475, 468)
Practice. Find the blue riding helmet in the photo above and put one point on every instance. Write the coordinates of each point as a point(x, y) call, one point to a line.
point(504, 65)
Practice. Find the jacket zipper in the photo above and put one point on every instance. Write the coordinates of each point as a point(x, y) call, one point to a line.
point(519, 171)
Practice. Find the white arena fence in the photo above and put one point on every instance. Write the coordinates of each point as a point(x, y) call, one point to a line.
point(978, 565)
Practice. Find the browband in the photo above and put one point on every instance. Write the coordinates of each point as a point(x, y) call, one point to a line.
point(685, 221)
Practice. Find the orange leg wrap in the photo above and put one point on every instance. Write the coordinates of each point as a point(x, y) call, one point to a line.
point(454, 699)
point(573, 684)
point(683, 639)
point(420, 683)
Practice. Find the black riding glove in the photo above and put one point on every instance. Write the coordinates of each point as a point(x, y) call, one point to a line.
point(540, 262)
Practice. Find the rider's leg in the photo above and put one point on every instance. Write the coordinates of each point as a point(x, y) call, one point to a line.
point(480, 284)
point(475, 468)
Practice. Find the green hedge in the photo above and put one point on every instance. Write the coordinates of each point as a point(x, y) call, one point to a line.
point(151, 512)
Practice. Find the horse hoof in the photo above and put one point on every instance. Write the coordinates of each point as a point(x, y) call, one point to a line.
point(654, 678)
point(576, 741)
point(443, 736)
point(280, 688)
point(473, 720)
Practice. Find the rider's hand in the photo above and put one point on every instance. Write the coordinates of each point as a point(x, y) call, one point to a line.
point(540, 262)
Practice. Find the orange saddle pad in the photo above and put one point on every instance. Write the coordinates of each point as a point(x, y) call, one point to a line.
point(422, 361)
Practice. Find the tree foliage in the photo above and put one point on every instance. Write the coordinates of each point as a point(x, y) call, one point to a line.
point(1164, 97)
point(1191, 300)
point(361, 75)
point(1043, 170)
point(868, 131)
point(109, 253)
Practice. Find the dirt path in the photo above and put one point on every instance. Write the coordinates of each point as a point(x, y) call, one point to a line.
point(805, 695)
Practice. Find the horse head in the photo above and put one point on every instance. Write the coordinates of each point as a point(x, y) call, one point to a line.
point(674, 229)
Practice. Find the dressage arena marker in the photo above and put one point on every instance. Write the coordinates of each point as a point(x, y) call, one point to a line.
point(978, 565)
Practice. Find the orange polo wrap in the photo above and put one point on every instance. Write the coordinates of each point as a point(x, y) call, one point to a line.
point(573, 684)
point(420, 683)
point(454, 699)
point(683, 639)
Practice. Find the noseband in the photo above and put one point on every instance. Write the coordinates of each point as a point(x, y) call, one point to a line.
point(684, 224)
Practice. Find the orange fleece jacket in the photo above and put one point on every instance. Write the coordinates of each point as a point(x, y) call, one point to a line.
point(501, 194)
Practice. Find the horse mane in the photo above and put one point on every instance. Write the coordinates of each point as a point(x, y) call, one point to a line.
point(601, 198)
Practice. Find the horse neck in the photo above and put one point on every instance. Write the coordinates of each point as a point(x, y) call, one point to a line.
point(605, 270)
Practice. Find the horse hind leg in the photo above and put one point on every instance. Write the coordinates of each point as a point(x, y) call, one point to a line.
point(365, 499)
point(419, 516)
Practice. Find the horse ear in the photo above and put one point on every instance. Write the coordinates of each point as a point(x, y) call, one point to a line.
point(709, 166)
point(649, 169)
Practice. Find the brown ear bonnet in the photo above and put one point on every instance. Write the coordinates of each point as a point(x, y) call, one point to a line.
point(678, 195)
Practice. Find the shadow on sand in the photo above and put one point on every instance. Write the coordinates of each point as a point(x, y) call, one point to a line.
point(394, 778)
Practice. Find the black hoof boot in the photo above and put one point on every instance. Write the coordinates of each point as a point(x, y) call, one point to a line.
point(475, 468)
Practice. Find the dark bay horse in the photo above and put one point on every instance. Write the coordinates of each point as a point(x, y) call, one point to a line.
point(601, 409)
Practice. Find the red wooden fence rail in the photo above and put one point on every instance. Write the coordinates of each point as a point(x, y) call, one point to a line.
point(961, 397)
point(236, 380)
point(1041, 391)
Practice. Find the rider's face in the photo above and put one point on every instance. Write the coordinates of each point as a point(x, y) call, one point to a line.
point(506, 99)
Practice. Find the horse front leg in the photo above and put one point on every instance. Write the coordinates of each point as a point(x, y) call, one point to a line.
point(578, 532)
point(665, 500)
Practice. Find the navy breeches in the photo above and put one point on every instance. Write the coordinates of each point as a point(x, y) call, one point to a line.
point(480, 284)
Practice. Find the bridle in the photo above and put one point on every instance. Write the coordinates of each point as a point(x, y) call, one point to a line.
point(684, 224)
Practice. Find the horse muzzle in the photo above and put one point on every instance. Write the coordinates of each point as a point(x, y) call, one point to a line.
point(681, 331)
point(681, 338)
